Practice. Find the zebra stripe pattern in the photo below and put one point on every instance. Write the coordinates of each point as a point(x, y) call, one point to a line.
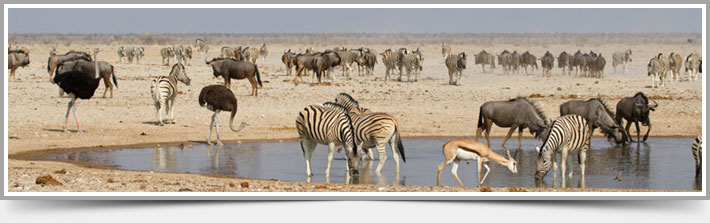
point(374, 130)
point(568, 134)
point(329, 125)
point(164, 89)
point(391, 61)
point(697, 150)
point(411, 61)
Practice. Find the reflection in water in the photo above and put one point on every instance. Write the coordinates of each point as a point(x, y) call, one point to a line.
point(634, 166)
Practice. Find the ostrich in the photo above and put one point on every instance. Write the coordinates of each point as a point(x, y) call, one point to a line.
point(78, 84)
point(219, 98)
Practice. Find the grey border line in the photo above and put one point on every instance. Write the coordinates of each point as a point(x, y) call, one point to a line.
point(230, 196)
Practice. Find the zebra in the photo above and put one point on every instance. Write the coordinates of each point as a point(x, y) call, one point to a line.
point(130, 54)
point(121, 54)
point(250, 54)
point(164, 89)
point(456, 64)
point(655, 71)
point(445, 50)
point(180, 54)
point(201, 46)
point(621, 58)
point(139, 54)
point(263, 51)
point(675, 61)
point(567, 134)
point(187, 55)
point(411, 61)
point(374, 130)
point(692, 66)
point(167, 53)
point(327, 124)
point(697, 150)
point(228, 52)
point(391, 61)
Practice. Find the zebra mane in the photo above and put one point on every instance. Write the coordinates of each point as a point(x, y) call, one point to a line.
point(349, 99)
point(535, 106)
point(547, 138)
point(336, 107)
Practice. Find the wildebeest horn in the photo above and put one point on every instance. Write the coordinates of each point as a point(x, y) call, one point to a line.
point(638, 104)
point(655, 104)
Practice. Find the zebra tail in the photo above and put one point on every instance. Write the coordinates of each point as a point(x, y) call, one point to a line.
point(400, 146)
point(258, 76)
point(113, 76)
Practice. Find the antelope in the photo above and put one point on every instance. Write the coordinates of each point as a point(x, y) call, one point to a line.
point(461, 149)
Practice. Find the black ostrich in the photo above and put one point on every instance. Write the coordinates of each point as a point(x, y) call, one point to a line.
point(219, 98)
point(78, 85)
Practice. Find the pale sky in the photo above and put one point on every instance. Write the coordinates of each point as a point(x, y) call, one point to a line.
point(121, 21)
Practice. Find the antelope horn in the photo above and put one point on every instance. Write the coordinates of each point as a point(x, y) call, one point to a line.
point(655, 103)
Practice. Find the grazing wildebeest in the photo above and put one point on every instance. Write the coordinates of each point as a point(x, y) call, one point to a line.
point(17, 59)
point(621, 58)
point(167, 53)
point(287, 59)
point(106, 72)
point(55, 60)
point(229, 68)
point(515, 61)
point(505, 61)
point(635, 109)
point(515, 113)
point(303, 62)
point(596, 66)
point(692, 66)
point(456, 64)
point(484, 58)
point(228, 52)
point(547, 62)
point(527, 59)
point(598, 115)
point(564, 61)
point(675, 61)
point(445, 50)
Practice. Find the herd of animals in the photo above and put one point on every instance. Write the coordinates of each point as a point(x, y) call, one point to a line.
point(343, 122)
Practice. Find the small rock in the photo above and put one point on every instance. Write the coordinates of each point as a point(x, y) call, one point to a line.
point(184, 190)
point(245, 184)
point(47, 180)
point(62, 171)
point(143, 133)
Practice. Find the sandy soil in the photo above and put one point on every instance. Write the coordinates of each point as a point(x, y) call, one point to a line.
point(428, 107)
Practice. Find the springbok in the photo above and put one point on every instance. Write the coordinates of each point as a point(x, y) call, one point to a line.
point(462, 149)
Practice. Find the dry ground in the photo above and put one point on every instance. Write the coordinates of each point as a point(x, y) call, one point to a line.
point(428, 107)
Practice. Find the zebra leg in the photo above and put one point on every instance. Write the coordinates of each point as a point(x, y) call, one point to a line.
point(395, 155)
point(370, 155)
point(583, 161)
point(159, 105)
point(554, 168)
point(331, 149)
point(307, 146)
point(488, 170)
point(209, 135)
point(563, 166)
point(172, 113)
point(383, 157)
point(454, 169)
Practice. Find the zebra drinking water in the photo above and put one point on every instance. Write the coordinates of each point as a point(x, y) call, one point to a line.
point(164, 89)
point(568, 134)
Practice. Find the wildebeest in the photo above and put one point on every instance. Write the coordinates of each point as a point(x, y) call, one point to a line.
point(577, 62)
point(17, 59)
point(527, 59)
point(456, 64)
point(484, 58)
point(321, 64)
point(445, 50)
point(287, 59)
point(596, 66)
point(515, 61)
point(692, 66)
point(167, 53)
point(334, 61)
point(635, 109)
point(675, 61)
point(547, 62)
point(229, 68)
point(621, 58)
point(106, 71)
point(55, 60)
point(655, 72)
point(564, 61)
point(515, 113)
point(505, 61)
point(598, 115)
point(369, 61)
point(303, 62)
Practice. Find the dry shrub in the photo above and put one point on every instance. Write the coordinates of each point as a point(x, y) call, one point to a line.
point(485, 189)
point(535, 95)
point(143, 186)
point(47, 180)
point(321, 187)
point(515, 189)
point(110, 180)
point(232, 184)
point(62, 171)
point(245, 184)
point(660, 97)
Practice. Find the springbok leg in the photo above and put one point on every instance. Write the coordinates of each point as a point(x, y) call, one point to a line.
point(488, 170)
point(454, 169)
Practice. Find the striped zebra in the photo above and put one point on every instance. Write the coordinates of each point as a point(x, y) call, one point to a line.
point(697, 150)
point(567, 134)
point(391, 61)
point(228, 52)
point(167, 53)
point(330, 125)
point(139, 54)
point(164, 89)
point(456, 64)
point(374, 130)
point(130, 54)
point(122, 54)
point(410, 61)
point(692, 66)
point(250, 54)
point(201, 46)
point(621, 58)
point(187, 55)
point(180, 54)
